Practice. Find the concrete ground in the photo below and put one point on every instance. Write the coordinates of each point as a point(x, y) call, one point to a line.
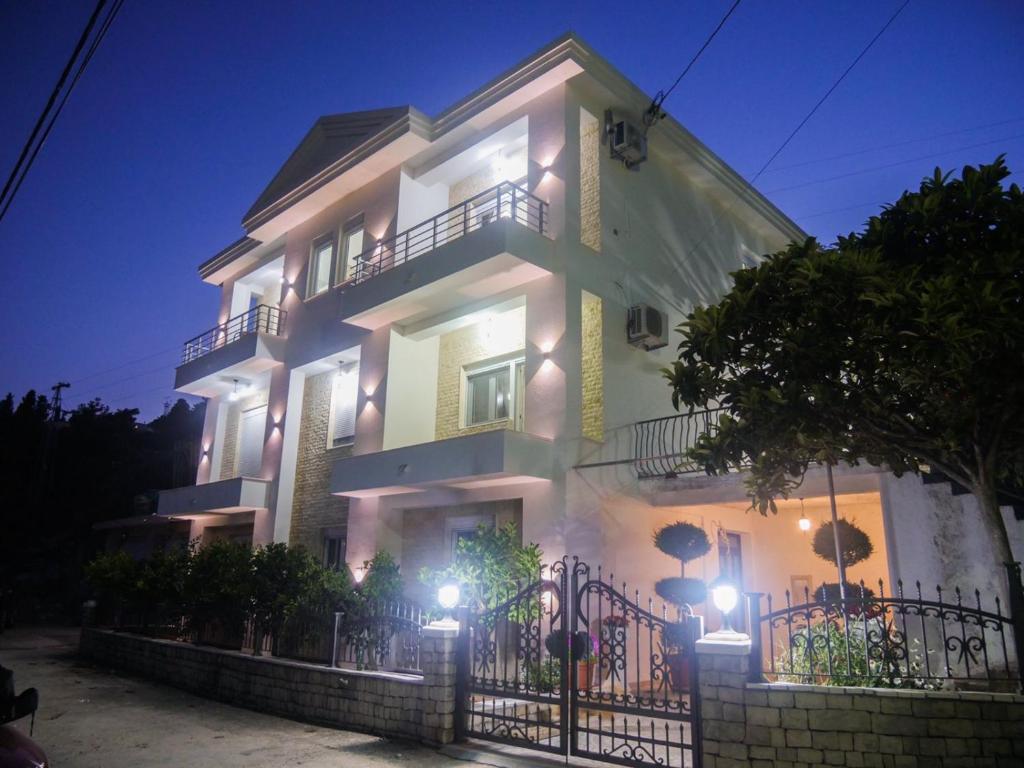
point(99, 718)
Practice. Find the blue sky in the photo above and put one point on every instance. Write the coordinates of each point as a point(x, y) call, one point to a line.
point(189, 108)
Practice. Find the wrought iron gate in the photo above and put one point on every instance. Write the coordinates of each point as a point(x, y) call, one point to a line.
point(573, 665)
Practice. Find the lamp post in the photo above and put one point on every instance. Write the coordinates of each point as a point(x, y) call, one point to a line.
point(448, 595)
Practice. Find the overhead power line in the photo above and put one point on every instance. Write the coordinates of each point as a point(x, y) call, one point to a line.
point(880, 147)
point(167, 350)
point(36, 139)
point(875, 168)
point(829, 92)
point(654, 113)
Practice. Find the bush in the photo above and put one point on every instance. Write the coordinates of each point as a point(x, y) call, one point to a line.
point(681, 592)
point(114, 576)
point(854, 544)
point(683, 541)
point(490, 568)
point(383, 580)
point(218, 586)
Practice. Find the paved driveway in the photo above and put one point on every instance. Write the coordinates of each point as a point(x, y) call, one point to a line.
point(96, 718)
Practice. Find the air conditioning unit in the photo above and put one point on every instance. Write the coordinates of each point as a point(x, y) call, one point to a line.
point(646, 327)
point(628, 143)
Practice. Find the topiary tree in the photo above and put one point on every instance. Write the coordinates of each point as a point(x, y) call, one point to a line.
point(684, 542)
point(854, 544)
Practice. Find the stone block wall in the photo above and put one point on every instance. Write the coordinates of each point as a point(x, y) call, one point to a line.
point(416, 707)
point(760, 725)
point(590, 180)
point(467, 346)
point(314, 508)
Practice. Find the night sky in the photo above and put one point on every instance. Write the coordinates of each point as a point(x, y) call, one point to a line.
point(189, 108)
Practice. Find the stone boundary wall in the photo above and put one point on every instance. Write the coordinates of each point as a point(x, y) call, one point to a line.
point(419, 708)
point(763, 725)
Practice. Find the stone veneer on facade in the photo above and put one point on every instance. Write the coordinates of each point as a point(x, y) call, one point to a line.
point(467, 346)
point(416, 707)
point(759, 725)
point(590, 181)
point(314, 508)
point(593, 369)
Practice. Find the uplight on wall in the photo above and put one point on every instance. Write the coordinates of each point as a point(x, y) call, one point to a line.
point(358, 574)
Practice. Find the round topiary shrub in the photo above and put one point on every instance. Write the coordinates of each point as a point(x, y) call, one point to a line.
point(681, 591)
point(854, 544)
point(683, 541)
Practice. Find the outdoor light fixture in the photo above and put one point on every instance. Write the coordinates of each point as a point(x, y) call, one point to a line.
point(358, 574)
point(233, 395)
point(724, 595)
point(804, 522)
point(448, 596)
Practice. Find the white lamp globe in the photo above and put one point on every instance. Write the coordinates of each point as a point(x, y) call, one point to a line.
point(448, 596)
point(725, 596)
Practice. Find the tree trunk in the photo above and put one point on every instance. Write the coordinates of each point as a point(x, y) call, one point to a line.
point(992, 518)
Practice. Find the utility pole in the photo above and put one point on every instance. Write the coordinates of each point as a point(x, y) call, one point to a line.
point(56, 412)
point(835, 533)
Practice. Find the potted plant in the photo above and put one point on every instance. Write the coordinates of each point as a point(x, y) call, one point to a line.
point(685, 542)
point(583, 651)
point(855, 547)
point(588, 662)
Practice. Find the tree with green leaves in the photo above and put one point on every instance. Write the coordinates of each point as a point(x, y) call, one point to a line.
point(901, 346)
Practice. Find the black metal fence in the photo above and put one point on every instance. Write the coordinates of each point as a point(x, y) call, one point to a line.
point(383, 636)
point(660, 446)
point(910, 639)
point(504, 201)
point(260, 319)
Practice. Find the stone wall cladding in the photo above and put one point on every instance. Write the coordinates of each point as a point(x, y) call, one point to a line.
point(590, 181)
point(593, 370)
point(313, 507)
point(747, 725)
point(420, 708)
point(463, 347)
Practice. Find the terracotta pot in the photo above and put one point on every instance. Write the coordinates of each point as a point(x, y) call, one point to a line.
point(585, 674)
point(678, 664)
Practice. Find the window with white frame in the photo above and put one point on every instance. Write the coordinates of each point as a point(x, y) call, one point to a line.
point(321, 266)
point(344, 394)
point(495, 392)
point(352, 245)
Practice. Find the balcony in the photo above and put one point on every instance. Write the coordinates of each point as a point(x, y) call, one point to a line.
point(499, 457)
point(241, 348)
point(492, 242)
point(239, 494)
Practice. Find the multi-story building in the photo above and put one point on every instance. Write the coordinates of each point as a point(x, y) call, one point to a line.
point(424, 329)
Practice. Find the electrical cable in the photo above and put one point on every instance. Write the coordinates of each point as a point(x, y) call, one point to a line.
point(654, 113)
point(892, 165)
point(828, 93)
point(880, 147)
point(60, 107)
point(118, 367)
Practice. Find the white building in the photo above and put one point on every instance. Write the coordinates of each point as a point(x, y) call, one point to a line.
point(424, 329)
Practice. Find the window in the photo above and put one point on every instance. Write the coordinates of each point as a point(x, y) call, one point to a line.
point(343, 406)
point(250, 437)
point(321, 265)
point(495, 393)
point(352, 245)
point(334, 552)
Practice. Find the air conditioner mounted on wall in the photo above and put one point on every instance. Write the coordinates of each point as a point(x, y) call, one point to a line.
point(646, 327)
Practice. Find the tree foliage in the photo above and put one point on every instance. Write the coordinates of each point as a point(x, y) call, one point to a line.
point(685, 542)
point(489, 566)
point(902, 346)
point(854, 544)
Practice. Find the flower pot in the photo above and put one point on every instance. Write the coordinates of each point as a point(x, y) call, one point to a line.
point(585, 674)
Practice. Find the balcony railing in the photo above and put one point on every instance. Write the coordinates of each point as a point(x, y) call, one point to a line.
point(505, 201)
point(660, 446)
point(260, 319)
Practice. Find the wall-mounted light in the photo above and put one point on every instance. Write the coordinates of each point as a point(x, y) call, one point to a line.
point(206, 452)
point(359, 574)
point(233, 394)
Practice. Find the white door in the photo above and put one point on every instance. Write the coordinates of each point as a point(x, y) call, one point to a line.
point(250, 441)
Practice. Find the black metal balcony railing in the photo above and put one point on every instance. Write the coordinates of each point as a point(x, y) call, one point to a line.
point(505, 201)
point(260, 319)
point(660, 446)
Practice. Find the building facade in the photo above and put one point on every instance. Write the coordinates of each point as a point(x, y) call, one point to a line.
point(424, 329)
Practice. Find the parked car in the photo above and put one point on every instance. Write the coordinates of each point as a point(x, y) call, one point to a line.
point(19, 751)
